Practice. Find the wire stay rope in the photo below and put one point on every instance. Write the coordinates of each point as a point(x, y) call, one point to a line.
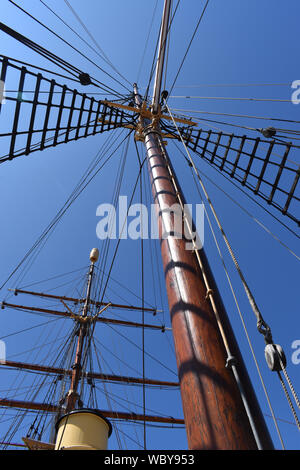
point(189, 46)
point(231, 98)
point(147, 41)
point(263, 226)
point(82, 39)
point(78, 190)
point(69, 44)
point(231, 85)
point(240, 315)
point(249, 161)
point(193, 111)
point(74, 71)
point(104, 56)
point(48, 231)
point(262, 326)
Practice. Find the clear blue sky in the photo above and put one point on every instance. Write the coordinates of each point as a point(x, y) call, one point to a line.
point(238, 42)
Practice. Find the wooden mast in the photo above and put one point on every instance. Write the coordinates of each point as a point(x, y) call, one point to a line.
point(72, 395)
point(219, 404)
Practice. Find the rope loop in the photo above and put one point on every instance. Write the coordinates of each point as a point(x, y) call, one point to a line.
point(265, 330)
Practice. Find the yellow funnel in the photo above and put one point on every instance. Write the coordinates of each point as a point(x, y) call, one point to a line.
point(83, 429)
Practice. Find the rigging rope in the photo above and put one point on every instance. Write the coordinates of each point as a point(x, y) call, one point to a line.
point(83, 77)
point(189, 45)
point(104, 384)
point(82, 39)
point(240, 315)
point(231, 360)
point(66, 42)
point(116, 192)
point(262, 131)
point(231, 98)
point(235, 115)
point(213, 154)
point(75, 194)
point(107, 396)
point(289, 400)
point(39, 68)
point(143, 297)
point(242, 208)
point(95, 42)
point(262, 326)
point(232, 85)
point(147, 41)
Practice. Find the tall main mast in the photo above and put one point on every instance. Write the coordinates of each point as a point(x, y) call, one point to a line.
point(220, 407)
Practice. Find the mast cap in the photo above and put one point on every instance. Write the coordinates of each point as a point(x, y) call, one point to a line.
point(94, 255)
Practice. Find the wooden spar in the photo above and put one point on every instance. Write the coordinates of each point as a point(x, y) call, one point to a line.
point(76, 301)
point(144, 112)
point(48, 407)
point(81, 318)
point(90, 375)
